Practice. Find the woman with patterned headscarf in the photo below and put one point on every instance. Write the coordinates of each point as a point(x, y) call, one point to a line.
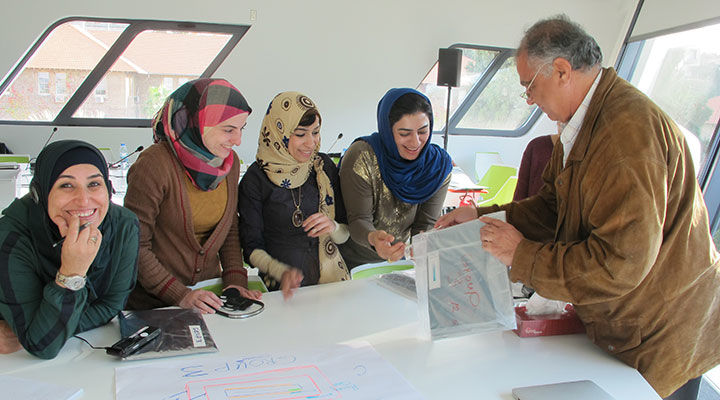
point(394, 181)
point(291, 212)
point(183, 190)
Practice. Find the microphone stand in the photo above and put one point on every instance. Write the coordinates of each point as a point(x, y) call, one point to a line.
point(32, 160)
point(335, 142)
point(49, 137)
point(447, 118)
point(116, 163)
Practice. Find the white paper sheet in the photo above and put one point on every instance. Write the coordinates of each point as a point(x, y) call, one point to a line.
point(19, 388)
point(347, 372)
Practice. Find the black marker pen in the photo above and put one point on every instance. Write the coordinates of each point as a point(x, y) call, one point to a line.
point(83, 226)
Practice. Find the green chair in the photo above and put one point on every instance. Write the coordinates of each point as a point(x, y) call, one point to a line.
point(369, 270)
point(17, 158)
point(504, 195)
point(495, 178)
point(483, 161)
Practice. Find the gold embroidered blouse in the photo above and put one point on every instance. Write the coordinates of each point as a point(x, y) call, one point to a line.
point(370, 205)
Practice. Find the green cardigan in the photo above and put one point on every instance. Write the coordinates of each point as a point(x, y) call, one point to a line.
point(42, 314)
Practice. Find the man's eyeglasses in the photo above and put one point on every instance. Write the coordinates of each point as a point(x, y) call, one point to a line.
point(526, 94)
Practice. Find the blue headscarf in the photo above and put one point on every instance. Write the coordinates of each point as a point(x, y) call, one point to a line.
point(412, 181)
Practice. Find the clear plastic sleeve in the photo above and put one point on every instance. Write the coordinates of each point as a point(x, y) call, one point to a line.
point(461, 288)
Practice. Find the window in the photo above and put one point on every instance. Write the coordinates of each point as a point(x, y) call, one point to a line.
point(487, 101)
point(111, 72)
point(681, 73)
point(43, 79)
point(60, 86)
point(474, 63)
point(167, 84)
point(101, 91)
point(60, 83)
point(497, 106)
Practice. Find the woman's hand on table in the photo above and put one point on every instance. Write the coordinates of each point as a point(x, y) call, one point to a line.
point(202, 300)
point(9, 343)
point(456, 216)
point(318, 224)
point(382, 242)
point(247, 293)
point(290, 281)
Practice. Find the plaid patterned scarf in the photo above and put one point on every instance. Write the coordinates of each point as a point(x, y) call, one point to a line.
point(183, 118)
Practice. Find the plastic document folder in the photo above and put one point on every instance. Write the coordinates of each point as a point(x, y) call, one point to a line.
point(585, 390)
point(183, 332)
point(461, 288)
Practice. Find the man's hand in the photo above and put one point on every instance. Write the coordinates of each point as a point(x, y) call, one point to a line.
point(500, 239)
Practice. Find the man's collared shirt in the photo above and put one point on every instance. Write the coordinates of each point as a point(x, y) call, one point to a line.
point(572, 128)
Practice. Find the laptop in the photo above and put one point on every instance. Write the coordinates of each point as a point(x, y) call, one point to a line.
point(585, 390)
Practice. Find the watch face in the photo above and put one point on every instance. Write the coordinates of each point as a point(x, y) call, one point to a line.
point(74, 282)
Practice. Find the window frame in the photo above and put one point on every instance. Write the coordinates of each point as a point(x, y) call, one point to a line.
point(503, 53)
point(709, 175)
point(86, 88)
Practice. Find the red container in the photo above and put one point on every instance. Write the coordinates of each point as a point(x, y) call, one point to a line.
point(548, 324)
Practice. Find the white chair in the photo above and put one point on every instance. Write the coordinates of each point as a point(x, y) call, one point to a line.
point(483, 161)
point(10, 167)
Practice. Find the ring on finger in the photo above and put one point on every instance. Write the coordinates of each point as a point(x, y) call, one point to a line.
point(93, 239)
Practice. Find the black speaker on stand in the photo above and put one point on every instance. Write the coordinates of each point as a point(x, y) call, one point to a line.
point(449, 64)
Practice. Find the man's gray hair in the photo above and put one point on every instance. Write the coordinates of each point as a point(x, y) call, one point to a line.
point(557, 37)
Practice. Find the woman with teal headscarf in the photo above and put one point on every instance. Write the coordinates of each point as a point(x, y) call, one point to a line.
point(394, 181)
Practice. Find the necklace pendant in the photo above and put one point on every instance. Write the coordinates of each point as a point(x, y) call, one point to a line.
point(297, 218)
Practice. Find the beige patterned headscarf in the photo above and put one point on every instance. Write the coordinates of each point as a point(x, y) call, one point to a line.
point(281, 119)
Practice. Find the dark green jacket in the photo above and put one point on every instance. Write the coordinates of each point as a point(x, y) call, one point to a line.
point(42, 314)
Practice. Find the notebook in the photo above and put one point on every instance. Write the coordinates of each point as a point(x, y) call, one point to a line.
point(183, 332)
point(585, 390)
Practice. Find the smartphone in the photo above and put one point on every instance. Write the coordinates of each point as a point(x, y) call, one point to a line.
point(129, 345)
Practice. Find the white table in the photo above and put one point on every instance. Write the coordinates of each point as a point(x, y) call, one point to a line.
point(485, 366)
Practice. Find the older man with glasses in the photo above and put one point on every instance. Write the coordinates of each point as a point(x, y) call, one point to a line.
point(619, 227)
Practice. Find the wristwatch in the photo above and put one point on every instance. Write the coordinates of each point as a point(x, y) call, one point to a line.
point(72, 282)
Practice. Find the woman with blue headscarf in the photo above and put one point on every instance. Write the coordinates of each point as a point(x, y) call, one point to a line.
point(394, 181)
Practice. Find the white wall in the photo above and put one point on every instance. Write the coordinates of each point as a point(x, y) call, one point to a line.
point(661, 15)
point(344, 55)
